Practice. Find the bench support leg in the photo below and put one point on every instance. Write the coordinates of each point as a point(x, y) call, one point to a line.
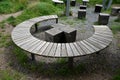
point(36, 28)
point(98, 52)
point(33, 57)
point(70, 62)
point(56, 20)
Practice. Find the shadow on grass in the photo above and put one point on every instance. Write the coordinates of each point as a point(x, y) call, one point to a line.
point(57, 68)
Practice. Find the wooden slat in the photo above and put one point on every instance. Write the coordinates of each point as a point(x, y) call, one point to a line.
point(69, 50)
point(104, 38)
point(24, 41)
point(43, 48)
point(31, 49)
point(58, 50)
point(75, 51)
point(32, 44)
point(47, 51)
point(105, 35)
point(26, 45)
point(102, 41)
point(81, 52)
point(84, 48)
point(52, 52)
point(95, 43)
point(88, 47)
point(92, 46)
point(39, 47)
point(64, 51)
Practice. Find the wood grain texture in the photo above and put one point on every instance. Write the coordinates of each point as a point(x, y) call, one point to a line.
point(22, 37)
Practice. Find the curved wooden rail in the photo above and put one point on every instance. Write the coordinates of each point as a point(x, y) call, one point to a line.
point(22, 37)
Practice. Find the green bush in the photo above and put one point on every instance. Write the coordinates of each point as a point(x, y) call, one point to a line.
point(10, 6)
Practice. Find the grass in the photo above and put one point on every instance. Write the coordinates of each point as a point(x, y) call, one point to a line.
point(35, 10)
point(11, 6)
point(4, 40)
point(11, 75)
point(108, 11)
point(117, 20)
point(21, 55)
point(117, 76)
point(115, 28)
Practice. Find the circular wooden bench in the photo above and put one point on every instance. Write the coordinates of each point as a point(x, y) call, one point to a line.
point(23, 38)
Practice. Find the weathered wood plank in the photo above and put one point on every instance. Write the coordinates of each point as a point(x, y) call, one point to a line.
point(26, 45)
point(32, 44)
point(83, 48)
point(58, 50)
point(64, 51)
point(47, 51)
point(88, 47)
point(43, 48)
point(75, 51)
point(81, 52)
point(53, 50)
point(104, 38)
point(69, 50)
point(40, 46)
point(24, 41)
point(35, 46)
point(92, 46)
point(104, 35)
point(97, 44)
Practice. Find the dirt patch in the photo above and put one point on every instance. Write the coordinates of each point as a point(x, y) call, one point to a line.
point(5, 16)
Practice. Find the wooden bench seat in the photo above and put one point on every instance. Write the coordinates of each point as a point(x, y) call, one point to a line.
point(22, 37)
